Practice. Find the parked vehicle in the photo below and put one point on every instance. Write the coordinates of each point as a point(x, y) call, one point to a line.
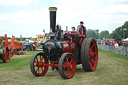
point(28, 45)
point(5, 47)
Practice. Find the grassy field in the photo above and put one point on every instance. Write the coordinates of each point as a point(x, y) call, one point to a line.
point(112, 70)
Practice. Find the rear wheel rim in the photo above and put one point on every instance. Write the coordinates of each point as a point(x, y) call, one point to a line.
point(93, 55)
point(39, 66)
point(6, 55)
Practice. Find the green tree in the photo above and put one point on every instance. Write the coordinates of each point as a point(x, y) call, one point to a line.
point(104, 34)
point(120, 32)
point(97, 33)
point(91, 33)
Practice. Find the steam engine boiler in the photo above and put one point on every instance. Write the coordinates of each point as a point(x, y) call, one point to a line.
point(64, 50)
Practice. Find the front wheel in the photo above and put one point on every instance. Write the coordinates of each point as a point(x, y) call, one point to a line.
point(67, 65)
point(37, 64)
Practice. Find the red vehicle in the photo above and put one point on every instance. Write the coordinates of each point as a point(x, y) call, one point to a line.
point(16, 48)
point(64, 51)
point(5, 47)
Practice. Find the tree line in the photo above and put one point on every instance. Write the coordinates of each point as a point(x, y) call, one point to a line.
point(119, 33)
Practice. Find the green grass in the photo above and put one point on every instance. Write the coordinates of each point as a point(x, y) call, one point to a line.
point(32, 52)
point(17, 63)
point(112, 70)
point(114, 54)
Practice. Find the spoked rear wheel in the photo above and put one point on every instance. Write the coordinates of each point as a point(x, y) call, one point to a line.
point(5, 57)
point(89, 54)
point(37, 64)
point(67, 65)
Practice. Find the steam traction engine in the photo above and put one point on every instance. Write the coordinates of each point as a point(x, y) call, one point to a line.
point(63, 51)
point(5, 47)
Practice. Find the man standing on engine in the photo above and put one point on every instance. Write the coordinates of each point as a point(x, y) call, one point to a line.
point(82, 28)
point(82, 25)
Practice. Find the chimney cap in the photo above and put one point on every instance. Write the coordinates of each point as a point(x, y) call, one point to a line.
point(52, 8)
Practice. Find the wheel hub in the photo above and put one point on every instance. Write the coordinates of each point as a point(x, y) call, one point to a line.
point(69, 65)
point(39, 64)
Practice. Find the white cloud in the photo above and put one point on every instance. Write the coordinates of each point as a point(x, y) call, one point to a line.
point(118, 2)
point(18, 3)
point(24, 22)
point(99, 14)
point(96, 14)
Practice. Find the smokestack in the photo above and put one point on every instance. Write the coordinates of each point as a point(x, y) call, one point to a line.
point(52, 18)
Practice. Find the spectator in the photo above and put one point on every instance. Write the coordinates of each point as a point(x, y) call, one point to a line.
point(116, 45)
point(113, 43)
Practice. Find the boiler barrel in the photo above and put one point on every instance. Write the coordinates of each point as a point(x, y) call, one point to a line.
point(52, 18)
point(68, 47)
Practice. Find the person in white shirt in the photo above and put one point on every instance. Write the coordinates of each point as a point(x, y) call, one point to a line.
point(116, 45)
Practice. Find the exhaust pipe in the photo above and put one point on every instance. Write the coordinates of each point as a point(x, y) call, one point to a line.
point(52, 18)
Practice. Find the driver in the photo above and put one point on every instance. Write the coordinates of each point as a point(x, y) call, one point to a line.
point(72, 33)
point(73, 30)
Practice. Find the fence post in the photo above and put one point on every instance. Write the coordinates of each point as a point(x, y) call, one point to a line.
point(125, 51)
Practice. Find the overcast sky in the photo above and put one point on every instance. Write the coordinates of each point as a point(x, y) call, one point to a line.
point(30, 17)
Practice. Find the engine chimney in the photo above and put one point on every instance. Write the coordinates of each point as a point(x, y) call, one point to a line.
point(52, 18)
